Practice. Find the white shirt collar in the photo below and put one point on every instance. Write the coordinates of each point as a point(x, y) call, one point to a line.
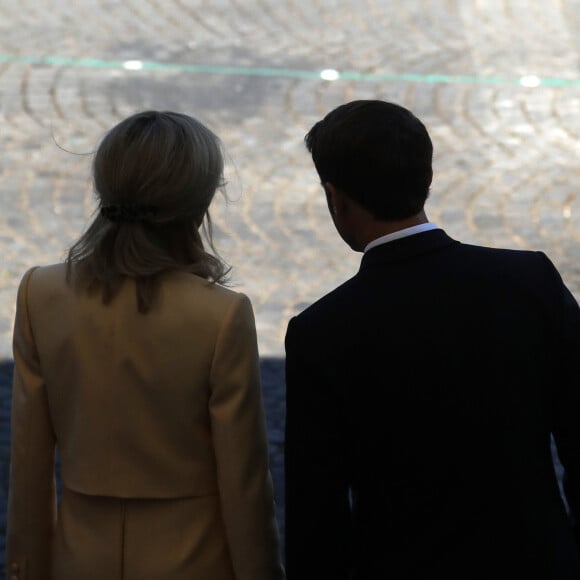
point(401, 234)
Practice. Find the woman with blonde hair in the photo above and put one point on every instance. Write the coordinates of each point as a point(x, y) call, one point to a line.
point(134, 362)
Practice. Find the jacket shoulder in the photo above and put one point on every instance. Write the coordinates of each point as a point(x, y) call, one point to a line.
point(51, 272)
point(189, 286)
point(44, 279)
point(312, 320)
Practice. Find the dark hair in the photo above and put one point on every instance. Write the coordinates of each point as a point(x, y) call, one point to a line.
point(376, 152)
point(155, 175)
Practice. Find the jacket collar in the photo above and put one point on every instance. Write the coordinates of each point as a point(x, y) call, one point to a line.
point(406, 248)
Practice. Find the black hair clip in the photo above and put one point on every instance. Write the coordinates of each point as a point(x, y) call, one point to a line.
point(128, 213)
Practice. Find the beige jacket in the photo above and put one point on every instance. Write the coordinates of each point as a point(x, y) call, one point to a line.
point(162, 405)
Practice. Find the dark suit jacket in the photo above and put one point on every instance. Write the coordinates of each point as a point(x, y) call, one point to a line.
point(421, 395)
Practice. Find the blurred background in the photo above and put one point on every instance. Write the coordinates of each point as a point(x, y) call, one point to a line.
point(496, 82)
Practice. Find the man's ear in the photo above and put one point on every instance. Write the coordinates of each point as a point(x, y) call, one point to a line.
point(335, 198)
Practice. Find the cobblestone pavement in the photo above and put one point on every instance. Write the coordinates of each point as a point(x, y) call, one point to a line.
point(495, 81)
point(507, 156)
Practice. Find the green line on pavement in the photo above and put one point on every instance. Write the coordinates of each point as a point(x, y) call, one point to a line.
point(135, 66)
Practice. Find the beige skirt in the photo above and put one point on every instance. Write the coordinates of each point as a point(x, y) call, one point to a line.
point(105, 538)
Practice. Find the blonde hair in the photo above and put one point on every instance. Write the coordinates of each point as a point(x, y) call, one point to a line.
point(158, 172)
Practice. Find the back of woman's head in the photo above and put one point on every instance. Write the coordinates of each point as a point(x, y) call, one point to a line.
point(155, 175)
point(166, 160)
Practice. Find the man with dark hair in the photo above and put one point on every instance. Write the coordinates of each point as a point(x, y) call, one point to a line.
point(423, 392)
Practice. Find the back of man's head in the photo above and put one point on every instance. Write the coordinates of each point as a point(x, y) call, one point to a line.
point(376, 152)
